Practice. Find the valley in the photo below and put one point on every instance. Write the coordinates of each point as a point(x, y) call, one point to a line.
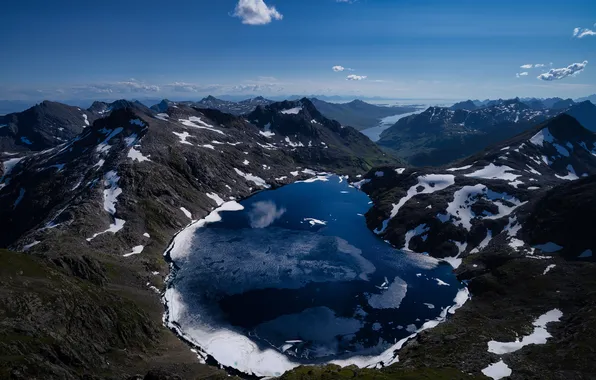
point(378, 257)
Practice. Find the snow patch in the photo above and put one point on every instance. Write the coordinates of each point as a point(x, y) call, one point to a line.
point(497, 370)
point(253, 178)
point(430, 183)
point(539, 336)
point(216, 198)
point(135, 251)
point(137, 155)
point(492, 171)
point(292, 111)
point(186, 212)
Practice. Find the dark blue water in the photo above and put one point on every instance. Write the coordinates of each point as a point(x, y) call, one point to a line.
point(330, 290)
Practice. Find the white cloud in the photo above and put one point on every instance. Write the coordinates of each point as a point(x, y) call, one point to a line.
point(341, 68)
point(582, 32)
point(528, 66)
point(555, 74)
point(256, 12)
point(522, 74)
point(538, 65)
point(356, 77)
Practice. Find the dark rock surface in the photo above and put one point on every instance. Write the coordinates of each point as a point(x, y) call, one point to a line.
point(42, 126)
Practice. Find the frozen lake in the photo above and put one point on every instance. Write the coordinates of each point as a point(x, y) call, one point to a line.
point(294, 276)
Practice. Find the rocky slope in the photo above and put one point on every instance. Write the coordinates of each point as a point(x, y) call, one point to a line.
point(513, 222)
point(42, 126)
point(96, 213)
point(235, 108)
point(358, 114)
point(441, 135)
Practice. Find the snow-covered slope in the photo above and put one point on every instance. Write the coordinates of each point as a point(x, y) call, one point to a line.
point(183, 158)
point(453, 211)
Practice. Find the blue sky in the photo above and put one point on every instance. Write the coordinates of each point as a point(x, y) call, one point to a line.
point(187, 49)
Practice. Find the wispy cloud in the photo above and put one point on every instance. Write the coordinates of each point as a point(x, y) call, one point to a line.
point(256, 12)
point(356, 77)
point(341, 68)
point(539, 65)
point(582, 32)
point(556, 74)
point(528, 66)
point(346, 1)
point(522, 74)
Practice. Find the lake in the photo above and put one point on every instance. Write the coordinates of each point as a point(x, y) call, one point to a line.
point(293, 276)
point(374, 133)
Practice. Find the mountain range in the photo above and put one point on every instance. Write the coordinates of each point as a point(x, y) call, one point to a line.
point(84, 192)
point(359, 114)
point(84, 209)
point(440, 135)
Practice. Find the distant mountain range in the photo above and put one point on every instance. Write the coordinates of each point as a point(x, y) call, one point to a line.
point(440, 135)
point(357, 113)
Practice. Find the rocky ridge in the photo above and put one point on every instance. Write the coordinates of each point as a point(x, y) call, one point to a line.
point(101, 209)
point(512, 221)
point(441, 135)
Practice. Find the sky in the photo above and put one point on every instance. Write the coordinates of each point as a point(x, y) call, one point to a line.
point(392, 49)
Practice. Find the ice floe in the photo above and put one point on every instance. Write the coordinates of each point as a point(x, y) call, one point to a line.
point(390, 298)
point(313, 222)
